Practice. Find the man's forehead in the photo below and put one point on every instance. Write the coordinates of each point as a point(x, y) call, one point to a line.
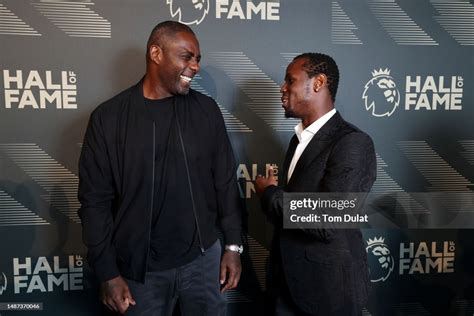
point(295, 66)
point(181, 38)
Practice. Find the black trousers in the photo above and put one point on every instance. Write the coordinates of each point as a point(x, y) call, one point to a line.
point(194, 286)
point(285, 306)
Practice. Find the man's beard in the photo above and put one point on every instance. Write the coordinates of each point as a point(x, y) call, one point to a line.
point(289, 113)
point(182, 90)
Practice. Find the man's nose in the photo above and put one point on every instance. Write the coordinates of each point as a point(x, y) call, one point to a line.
point(195, 67)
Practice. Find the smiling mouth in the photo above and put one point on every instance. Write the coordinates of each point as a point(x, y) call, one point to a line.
point(284, 100)
point(186, 78)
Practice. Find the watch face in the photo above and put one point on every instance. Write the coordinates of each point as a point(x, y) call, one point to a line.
point(235, 248)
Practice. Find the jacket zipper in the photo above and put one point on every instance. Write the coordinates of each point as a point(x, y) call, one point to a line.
point(201, 246)
point(152, 199)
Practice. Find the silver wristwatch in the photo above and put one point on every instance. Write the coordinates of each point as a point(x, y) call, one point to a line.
point(235, 248)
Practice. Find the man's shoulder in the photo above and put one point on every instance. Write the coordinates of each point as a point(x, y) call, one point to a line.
point(206, 103)
point(353, 139)
point(348, 136)
point(349, 129)
point(201, 98)
point(115, 103)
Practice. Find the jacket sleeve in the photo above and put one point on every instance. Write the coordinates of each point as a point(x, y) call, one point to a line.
point(96, 195)
point(224, 173)
point(272, 204)
point(351, 167)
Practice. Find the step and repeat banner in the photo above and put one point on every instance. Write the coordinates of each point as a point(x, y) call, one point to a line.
point(407, 73)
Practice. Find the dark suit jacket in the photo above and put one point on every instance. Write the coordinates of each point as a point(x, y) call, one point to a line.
point(325, 269)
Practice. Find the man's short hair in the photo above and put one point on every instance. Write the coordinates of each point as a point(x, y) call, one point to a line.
point(316, 64)
point(164, 30)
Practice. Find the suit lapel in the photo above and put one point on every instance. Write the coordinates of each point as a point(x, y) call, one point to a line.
point(323, 138)
point(289, 155)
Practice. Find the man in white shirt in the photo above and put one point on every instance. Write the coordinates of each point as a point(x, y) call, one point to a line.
point(319, 271)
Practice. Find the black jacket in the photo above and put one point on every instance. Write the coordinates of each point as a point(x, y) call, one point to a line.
point(116, 179)
point(325, 269)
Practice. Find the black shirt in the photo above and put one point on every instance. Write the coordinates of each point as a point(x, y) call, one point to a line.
point(173, 241)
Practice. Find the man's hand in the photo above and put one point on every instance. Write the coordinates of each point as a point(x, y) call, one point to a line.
point(230, 270)
point(261, 183)
point(116, 295)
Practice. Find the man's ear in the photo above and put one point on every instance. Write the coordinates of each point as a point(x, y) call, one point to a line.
point(320, 81)
point(156, 53)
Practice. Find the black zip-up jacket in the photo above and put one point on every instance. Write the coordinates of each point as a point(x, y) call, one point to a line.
point(116, 180)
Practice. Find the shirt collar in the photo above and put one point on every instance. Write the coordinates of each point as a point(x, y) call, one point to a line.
point(308, 133)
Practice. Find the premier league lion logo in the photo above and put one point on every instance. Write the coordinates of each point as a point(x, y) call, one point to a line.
point(189, 11)
point(381, 94)
point(380, 259)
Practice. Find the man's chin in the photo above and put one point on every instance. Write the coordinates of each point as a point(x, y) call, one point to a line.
point(183, 91)
point(289, 114)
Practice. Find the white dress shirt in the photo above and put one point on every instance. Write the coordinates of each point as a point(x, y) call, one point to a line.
point(305, 136)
